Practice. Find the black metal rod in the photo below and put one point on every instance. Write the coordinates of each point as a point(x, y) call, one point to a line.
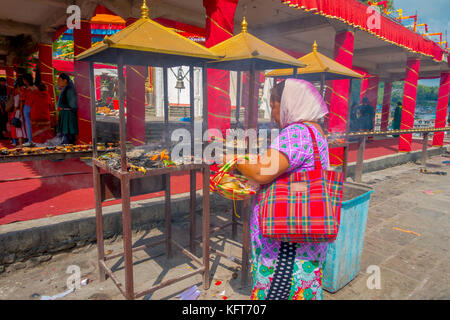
point(192, 109)
point(205, 99)
point(122, 120)
point(166, 107)
point(93, 109)
point(238, 98)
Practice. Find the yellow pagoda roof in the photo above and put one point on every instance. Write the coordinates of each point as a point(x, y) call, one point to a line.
point(147, 42)
point(317, 64)
point(244, 49)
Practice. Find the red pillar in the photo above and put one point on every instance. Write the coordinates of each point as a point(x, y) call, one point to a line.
point(337, 121)
point(386, 106)
point(82, 42)
point(250, 104)
point(46, 68)
point(135, 97)
point(442, 107)
point(409, 103)
point(369, 89)
point(219, 27)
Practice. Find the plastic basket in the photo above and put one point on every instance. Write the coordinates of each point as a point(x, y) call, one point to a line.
point(242, 193)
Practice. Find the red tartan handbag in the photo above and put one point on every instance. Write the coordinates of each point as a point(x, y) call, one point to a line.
point(303, 206)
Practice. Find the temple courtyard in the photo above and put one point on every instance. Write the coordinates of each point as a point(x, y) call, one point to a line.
point(406, 237)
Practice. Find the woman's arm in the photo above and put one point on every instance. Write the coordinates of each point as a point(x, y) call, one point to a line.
point(264, 169)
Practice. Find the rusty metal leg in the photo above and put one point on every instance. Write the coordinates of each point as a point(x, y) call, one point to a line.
point(205, 227)
point(424, 149)
point(99, 222)
point(345, 164)
point(127, 240)
point(168, 218)
point(193, 220)
point(360, 160)
point(245, 242)
point(234, 223)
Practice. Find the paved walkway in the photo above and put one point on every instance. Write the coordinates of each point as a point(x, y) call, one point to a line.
point(406, 237)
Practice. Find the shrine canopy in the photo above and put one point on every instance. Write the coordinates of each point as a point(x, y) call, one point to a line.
point(244, 52)
point(146, 42)
point(318, 67)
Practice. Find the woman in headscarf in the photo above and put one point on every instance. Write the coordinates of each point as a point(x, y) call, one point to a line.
point(68, 107)
point(283, 270)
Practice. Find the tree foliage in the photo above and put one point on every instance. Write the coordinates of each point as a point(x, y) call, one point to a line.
point(390, 4)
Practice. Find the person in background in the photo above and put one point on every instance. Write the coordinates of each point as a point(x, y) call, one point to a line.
point(41, 103)
point(295, 105)
point(68, 107)
point(354, 118)
point(17, 134)
point(3, 113)
point(367, 117)
point(25, 97)
point(397, 118)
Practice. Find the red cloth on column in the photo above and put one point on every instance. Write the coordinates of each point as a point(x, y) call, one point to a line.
point(337, 121)
point(41, 103)
point(442, 107)
point(135, 84)
point(10, 88)
point(409, 103)
point(386, 106)
point(98, 88)
point(219, 27)
point(82, 41)
point(135, 97)
point(354, 13)
point(46, 68)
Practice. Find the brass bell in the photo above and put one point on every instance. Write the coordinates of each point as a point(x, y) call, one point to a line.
point(180, 82)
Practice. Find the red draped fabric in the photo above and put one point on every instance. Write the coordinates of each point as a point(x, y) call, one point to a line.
point(386, 106)
point(219, 27)
point(46, 67)
point(135, 84)
point(354, 13)
point(98, 87)
point(41, 105)
point(442, 108)
point(135, 98)
point(337, 120)
point(82, 41)
point(409, 103)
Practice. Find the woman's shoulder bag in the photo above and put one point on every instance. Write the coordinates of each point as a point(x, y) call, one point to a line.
point(303, 206)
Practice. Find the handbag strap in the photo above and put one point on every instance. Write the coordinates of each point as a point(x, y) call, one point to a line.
point(317, 162)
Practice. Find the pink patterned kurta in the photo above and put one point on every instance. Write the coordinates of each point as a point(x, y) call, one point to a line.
point(306, 282)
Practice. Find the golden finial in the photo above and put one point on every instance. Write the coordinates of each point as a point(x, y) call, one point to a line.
point(144, 10)
point(244, 25)
point(315, 46)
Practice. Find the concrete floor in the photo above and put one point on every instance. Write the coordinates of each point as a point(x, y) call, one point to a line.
point(414, 258)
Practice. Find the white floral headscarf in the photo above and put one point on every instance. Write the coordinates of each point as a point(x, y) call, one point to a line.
point(301, 101)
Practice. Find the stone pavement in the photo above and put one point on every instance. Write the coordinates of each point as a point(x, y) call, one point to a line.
point(407, 237)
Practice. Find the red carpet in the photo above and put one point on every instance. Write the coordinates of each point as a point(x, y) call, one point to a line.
point(53, 195)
